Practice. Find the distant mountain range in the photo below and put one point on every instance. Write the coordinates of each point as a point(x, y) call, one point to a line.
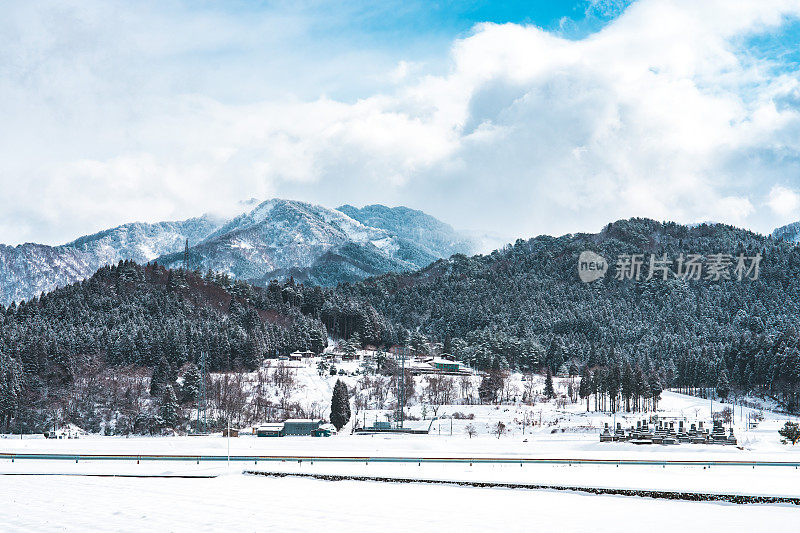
point(789, 233)
point(277, 239)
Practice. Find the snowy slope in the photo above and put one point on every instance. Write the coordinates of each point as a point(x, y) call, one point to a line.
point(29, 269)
point(423, 238)
point(790, 232)
point(143, 242)
point(276, 239)
point(281, 238)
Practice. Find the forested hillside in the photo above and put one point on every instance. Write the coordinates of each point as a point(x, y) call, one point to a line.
point(524, 306)
point(521, 308)
point(131, 316)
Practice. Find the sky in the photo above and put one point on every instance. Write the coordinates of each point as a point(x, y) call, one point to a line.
point(511, 118)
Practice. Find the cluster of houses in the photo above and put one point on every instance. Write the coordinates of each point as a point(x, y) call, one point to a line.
point(66, 432)
point(417, 365)
point(665, 432)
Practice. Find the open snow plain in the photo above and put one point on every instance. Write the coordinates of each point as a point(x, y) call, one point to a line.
point(62, 497)
point(248, 503)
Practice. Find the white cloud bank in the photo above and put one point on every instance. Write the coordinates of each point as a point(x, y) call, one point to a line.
point(664, 113)
point(785, 202)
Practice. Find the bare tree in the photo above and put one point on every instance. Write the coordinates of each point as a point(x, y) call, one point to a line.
point(530, 390)
point(466, 386)
point(438, 391)
point(470, 430)
point(283, 376)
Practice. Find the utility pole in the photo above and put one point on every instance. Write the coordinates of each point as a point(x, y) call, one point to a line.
point(201, 401)
point(403, 386)
point(711, 401)
point(401, 389)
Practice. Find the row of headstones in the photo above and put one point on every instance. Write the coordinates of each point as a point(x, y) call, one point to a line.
point(665, 432)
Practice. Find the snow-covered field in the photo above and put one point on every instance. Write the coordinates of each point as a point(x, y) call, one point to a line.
point(68, 501)
point(254, 503)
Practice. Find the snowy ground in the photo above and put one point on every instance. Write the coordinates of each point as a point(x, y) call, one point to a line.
point(568, 432)
point(254, 503)
point(251, 503)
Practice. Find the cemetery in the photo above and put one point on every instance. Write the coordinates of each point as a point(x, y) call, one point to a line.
point(666, 432)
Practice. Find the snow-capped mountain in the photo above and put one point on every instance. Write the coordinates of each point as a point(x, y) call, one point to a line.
point(423, 238)
point(789, 232)
point(276, 239)
point(281, 238)
point(144, 242)
point(29, 269)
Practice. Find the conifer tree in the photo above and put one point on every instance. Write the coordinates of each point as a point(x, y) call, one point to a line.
point(168, 409)
point(161, 377)
point(549, 391)
point(340, 405)
point(191, 385)
point(585, 388)
point(10, 388)
point(790, 431)
point(723, 385)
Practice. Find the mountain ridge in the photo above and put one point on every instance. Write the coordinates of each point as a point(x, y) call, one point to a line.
point(789, 232)
point(312, 243)
point(275, 239)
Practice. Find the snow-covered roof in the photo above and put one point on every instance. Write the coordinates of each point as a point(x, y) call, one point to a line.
point(440, 361)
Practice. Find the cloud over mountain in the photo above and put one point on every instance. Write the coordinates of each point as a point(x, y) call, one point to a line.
point(675, 110)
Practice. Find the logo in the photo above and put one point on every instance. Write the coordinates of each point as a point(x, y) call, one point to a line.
point(591, 266)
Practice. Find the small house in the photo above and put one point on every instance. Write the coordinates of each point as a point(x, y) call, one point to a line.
point(299, 355)
point(445, 365)
point(270, 430)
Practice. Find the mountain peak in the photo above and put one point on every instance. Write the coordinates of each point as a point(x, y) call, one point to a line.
point(275, 238)
point(789, 232)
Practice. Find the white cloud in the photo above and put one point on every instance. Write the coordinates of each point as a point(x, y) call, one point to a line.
point(785, 202)
point(660, 114)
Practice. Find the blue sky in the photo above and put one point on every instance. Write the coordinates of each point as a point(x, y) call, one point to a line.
point(517, 118)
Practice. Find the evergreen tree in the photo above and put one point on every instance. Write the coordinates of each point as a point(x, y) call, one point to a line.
point(191, 385)
point(791, 432)
point(628, 382)
point(656, 388)
point(355, 340)
point(160, 377)
point(316, 340)
point(585, 388)
point(723, 386)
point(10, 388)
point(168, 409)
point(340, 405)
point(487, 390)
point(549, 391)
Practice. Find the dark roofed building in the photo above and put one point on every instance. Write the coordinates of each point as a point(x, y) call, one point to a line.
point(301, 426)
